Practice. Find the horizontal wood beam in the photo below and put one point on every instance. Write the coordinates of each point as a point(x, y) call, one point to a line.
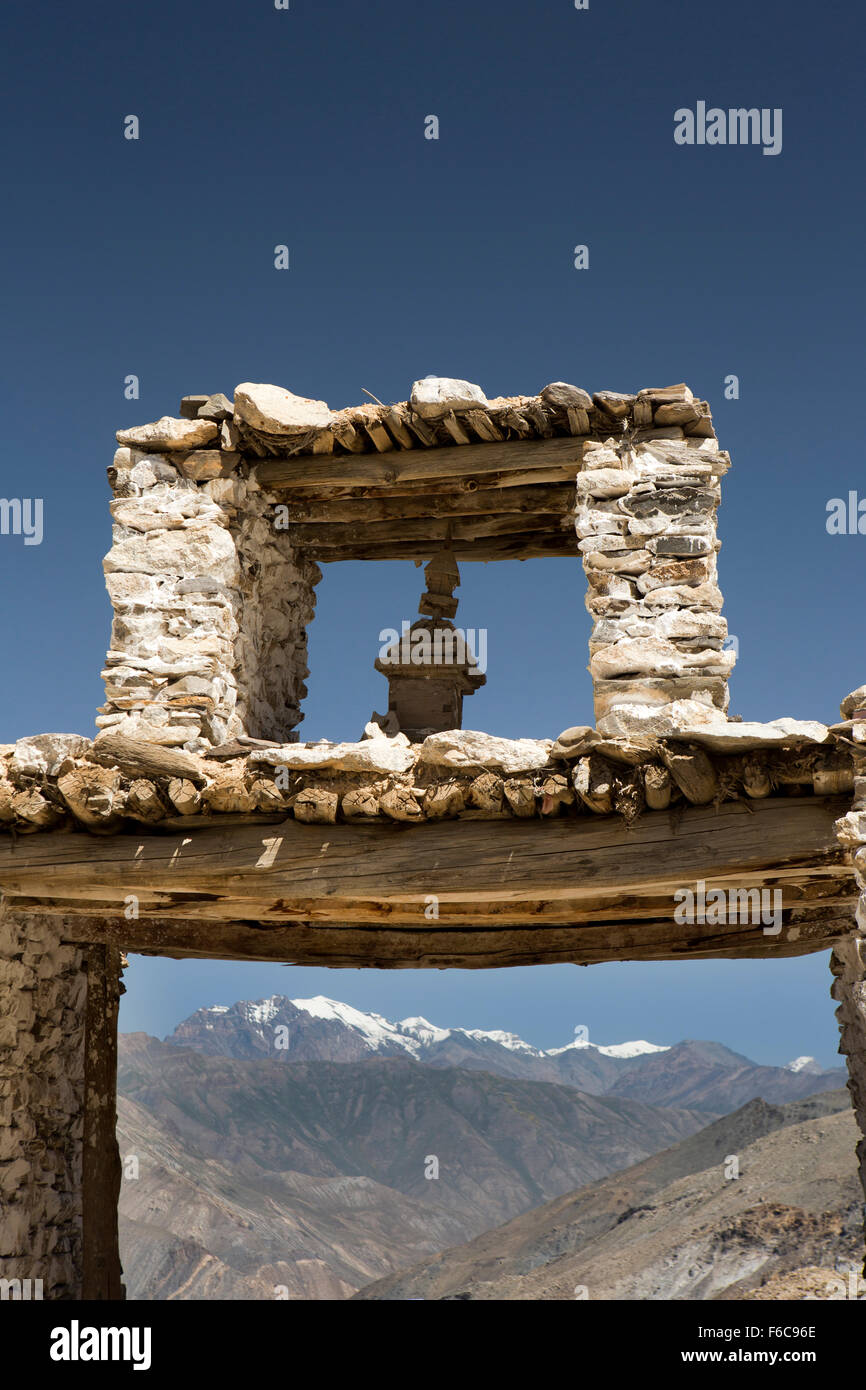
point(575, 876)
point(440, 946)
point(433, 489)
point(368, 533)
point(556, 459)
point(553, 500)
point(541, 545)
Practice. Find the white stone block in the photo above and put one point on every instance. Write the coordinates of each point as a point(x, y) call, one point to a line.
point(274, 410)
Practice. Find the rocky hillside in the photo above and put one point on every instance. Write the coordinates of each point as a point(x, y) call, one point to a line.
point(676, 1226)
point(253, 1174)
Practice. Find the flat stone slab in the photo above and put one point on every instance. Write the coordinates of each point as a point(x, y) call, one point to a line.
point(694, 722)
point(370, 755)
point(465, 748)
point(169, 433)
point(435, 396)
point(274, 410)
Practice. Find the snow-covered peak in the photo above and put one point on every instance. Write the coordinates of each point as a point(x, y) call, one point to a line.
point(638, 1048)
point(494, 1035)
point(417, 1036)
point(375, 1029)
point(263, 1010)
point(807, 1064)
point(622, 1051)
point(422, 1029)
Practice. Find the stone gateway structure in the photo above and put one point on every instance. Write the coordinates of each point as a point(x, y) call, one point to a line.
point(196, 824)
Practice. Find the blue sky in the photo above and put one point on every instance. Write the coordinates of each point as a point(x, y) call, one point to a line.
point(409, 256)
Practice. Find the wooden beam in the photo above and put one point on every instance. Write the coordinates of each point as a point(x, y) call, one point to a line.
point(430, 488)
point(424, 529)
point(541, 545)
point(556, 500)
point(100, 1180)
point(135, 756)
point(799, 890)
point(580, 875)
point(561, 458)
point(419, 947)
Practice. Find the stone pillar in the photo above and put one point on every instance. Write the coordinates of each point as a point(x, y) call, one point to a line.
point(211, 600)
point(646, 527)
point(43, 989)
point(59, 1166)
point(848, 962)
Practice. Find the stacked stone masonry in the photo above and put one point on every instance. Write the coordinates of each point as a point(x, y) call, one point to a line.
point(687, 754)
point(42, 1009)
point(849, 957)
point(212, 593)
point(213, 588)
point(646, 527)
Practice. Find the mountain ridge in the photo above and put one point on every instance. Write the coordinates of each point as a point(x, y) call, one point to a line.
point(690, 1074)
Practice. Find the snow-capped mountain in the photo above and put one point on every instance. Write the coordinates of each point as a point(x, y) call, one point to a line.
point(288, 1026)
point(701, 1074)
point(806, 1065)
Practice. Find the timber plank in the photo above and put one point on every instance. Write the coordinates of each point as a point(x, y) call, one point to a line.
point(346, 535)
point(564, 457)
point(353, 946)
point(553, 500)
point(593, 872)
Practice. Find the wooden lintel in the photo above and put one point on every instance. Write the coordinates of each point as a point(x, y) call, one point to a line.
point(100, 1176)
point(561, 457)
point(508, 525)
point(584, 888)
point(442, 946)
point(532, 545)
point(555, 499)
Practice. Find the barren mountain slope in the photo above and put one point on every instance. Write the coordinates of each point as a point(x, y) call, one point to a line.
point(244, 1165)
point(675, 1226)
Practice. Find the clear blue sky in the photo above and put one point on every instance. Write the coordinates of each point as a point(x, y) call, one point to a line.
point(411, 256)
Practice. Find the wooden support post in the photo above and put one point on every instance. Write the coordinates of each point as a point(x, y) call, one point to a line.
point(100, 1181)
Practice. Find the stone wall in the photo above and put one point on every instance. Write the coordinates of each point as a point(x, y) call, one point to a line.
point(646, 527)
point(211, 601)
point(849, 958)
point(212, 593)
point(43, 990)
point(848, 964)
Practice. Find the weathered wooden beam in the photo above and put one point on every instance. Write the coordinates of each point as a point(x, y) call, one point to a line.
point(560, 457)
point(586, 874)
point(533, 545)
point(799, 889)
point(439, 946)
point(150, 759)
point(344, 535)
point(552, 500)
point(100, 1180)
point(432, 489)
